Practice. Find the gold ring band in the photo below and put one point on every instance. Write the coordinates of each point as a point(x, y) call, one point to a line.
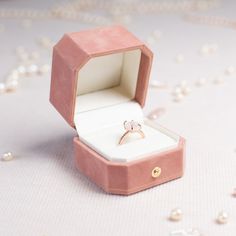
point(131, 127)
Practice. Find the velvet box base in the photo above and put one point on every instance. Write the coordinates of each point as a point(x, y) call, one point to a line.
point(130, 177)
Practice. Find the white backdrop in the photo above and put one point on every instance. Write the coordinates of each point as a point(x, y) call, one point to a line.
point(42, 193)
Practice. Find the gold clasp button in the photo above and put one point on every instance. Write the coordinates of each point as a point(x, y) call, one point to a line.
point(156, 172)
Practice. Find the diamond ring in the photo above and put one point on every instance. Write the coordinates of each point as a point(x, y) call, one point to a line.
point(131, 127)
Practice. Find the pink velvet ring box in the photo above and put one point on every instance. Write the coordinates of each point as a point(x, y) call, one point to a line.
point(99, 80)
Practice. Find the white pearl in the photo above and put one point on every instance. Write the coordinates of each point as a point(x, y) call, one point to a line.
point(178, 97)
point(13, 75)
point(21, 70)
point(222, 218)
point(183, 83)
point(213, 47)
point(205, 49)
point(45, 42)
point(234, 192)
point(7, 156)
point(2, 88)
point(230, 70)
point(157, 84)
point(177, 90)
point(218, 80)
point(34, 55)
point(186, 90)
point(11, 85)
point(32, 69)
point(201, 81)
point(179, 58)
point(44, 69)
point(176, 214)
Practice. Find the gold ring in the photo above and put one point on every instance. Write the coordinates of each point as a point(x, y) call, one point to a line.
point(131, 127)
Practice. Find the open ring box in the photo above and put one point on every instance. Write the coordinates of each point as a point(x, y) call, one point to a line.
point(99, 80)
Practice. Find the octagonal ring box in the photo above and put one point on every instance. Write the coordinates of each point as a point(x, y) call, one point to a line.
point(99, 80)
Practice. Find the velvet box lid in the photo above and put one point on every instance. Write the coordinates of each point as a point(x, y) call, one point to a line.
point(76, 50)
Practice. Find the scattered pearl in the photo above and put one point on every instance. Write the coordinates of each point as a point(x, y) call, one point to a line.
point(34, 55)
point(204, 49)
point(45, 42)
point(2, 88)
point(32, 69)
point(155, 114)
point(218, 80)
point(207, 49)
point(178, 97)
point(213, 47)
point(7, 156)
point(11, 85)
point(13, 75)
point(201, 81)
point(234, 192)
point(222, 218)
point(21, 70)
point(179, 58)
point(188, 232)
point(230, 70)
point(183, 83)
point(177, 90)
point(44, 69)
point(176, 214)
point(186, 90)
point(157, 84)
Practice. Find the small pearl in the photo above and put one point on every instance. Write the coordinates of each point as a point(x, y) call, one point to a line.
point(230, 70)
point(156, 113)
point(11, 85)
point(186, 90)
point(7, 156)
point(213, 47)
point(34, 55)
point(183, 83)
point(177, 90)
point(21, 70)
point(157, 84)
point(205, 49)
point(13, 75)
point(218, 80)
point(201, 81)
point(178, 97)
point(32, 69)
point(179, 58)
point(2, 88)
point(222, 218)
point(176, 214)
point(234, 192)
point(44, 69)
